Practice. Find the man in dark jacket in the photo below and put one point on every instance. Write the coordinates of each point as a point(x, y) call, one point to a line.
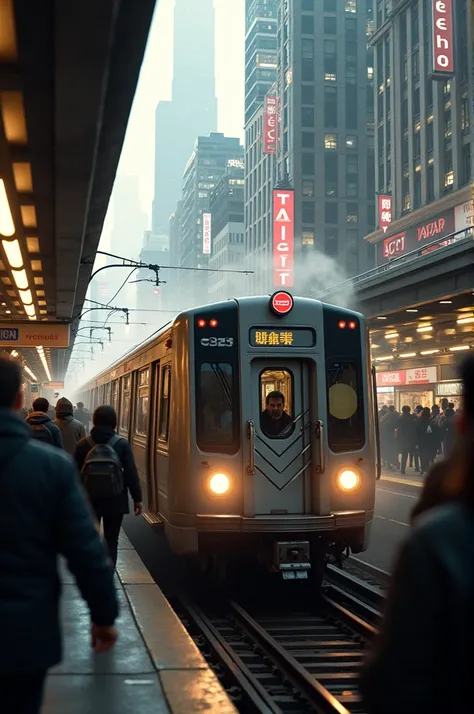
point(41, 424)
point(72, 430)
point(43, 513)
point(112, 510)
point(448, 430)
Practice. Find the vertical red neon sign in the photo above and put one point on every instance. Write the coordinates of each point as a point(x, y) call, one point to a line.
point(385, 212)
point(283, 238)
point(443, 40)
point(270, 128)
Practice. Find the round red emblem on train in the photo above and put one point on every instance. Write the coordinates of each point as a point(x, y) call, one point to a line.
point(281, 303)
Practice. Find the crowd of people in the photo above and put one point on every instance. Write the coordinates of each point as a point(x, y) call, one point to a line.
point(418, 438)
point(58, 482)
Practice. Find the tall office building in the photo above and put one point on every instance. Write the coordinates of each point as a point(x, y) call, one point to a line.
point(192, 110)
point(325, 148)
point(261, 63)
point(260, 52)
point(226, 206)
point(424, 98)
point(208, 162)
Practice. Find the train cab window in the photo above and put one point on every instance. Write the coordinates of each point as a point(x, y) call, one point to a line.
point(346, 430)
point(276, 403)
point(163, 425)
point(216, 423)
point(143, 398)
point(125, 406)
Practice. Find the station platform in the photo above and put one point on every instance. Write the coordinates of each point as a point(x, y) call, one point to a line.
point(154, 668)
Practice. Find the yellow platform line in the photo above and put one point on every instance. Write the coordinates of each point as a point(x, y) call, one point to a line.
point(404, 481)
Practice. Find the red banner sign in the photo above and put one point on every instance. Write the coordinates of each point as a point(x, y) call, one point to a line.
point(385, 212)
point(443, 41)
point(416, 236)
point(283, 238)
point(270, 125)
point(391, 379)
point(393, 246)
point(420, 375)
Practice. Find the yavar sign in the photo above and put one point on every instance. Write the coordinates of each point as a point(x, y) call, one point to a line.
point(417, 236)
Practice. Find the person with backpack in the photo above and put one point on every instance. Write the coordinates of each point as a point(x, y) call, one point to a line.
point(72, 430)
point(108, 474)
point(40, 422)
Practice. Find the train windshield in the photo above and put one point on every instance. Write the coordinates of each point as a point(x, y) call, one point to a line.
point(215, 406)
point(345, 407)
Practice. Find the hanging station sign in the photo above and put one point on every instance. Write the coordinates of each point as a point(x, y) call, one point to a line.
point(283, 238)
point(34, 334)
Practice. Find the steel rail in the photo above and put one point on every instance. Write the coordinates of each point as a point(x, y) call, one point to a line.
point(320, 697)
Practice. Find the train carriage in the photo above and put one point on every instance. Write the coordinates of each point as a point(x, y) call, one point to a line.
point(253, 426)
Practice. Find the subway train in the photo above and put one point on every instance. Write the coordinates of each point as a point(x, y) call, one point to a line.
point(253, 426)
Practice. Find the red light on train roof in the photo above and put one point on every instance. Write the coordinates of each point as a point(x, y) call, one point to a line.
point(201, 323)
point(352, 325)
point(281, 303)
point(213, 323)
point(341, 325)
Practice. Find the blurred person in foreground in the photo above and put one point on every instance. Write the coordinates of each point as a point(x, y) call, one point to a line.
point(423, 657)
point(43, 513)
point(109, 473)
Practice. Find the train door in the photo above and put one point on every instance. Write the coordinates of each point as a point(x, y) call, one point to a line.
point(153, 472)
point(281, 437)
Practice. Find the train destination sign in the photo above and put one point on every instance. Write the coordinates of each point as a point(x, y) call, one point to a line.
point(283, 337)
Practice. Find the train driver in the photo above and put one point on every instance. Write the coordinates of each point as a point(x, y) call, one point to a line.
point(274, 421)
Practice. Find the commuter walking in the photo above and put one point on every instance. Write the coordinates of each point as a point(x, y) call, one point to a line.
point(72, 430)
point(406, 436)
point(427, 439)
point(422, 659)
point(448, 430)
point(108, 474)
point(43, 428)
point(82, 415)
point(43, 513)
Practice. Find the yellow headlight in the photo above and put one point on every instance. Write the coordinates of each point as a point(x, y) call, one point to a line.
point(348, 480)
point(219, 484)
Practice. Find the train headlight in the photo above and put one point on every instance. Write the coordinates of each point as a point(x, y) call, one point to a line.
point(348, 480)
point(219, 484)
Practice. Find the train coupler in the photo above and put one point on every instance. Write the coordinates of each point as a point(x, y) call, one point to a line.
point(292, 559)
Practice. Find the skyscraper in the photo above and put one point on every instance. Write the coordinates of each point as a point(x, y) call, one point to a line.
point(192, 110)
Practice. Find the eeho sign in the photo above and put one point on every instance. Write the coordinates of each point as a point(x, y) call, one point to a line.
point(443, 39)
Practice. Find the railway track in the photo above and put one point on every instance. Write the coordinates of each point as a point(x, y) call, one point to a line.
point(281, 661)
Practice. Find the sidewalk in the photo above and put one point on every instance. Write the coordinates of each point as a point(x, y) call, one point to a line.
point(409, 479)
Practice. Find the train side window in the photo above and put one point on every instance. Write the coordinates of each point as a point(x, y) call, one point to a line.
point(276, 403)
point(115, 395)
point(125, 406)
point(346, 429)
point(215, 422)
point(163, 430)
point(141, 420)
point(106, 390)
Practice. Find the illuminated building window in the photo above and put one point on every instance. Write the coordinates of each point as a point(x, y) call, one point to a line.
point(330, 77)
point(449, 178)
point(351, 6)
point(308, 237)
point(330, 141)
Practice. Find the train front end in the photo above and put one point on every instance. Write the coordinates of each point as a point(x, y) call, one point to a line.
point(283, 469)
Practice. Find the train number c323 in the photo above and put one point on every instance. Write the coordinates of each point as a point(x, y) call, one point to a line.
point(217, 341)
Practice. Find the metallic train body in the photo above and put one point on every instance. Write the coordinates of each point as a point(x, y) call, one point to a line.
point(190, 401)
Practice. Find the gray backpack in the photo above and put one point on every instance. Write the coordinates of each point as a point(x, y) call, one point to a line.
point(102, 472)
